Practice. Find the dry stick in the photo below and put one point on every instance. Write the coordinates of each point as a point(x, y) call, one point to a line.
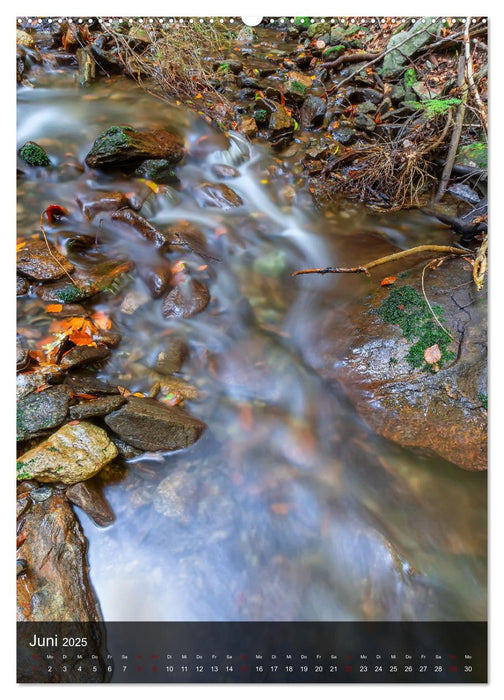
point(388, 258)
point(470, 79)
point(51, 253)
point(348, 58)
point(457, 130)
point(428, 302)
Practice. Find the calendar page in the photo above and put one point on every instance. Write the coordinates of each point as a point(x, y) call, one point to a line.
point(251, 349)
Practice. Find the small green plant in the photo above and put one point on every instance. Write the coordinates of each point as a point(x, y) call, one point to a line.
point(483, 398)
point(409, 77)
point(223, 68)
point(406, 308)
point(437, 107)
point(301, 21)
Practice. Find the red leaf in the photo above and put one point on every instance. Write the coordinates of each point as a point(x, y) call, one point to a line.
point(55, 213)
point(387, 280)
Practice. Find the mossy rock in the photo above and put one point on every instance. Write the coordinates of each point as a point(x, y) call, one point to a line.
point(473, 154)
point(34, 155)
point(123, 145)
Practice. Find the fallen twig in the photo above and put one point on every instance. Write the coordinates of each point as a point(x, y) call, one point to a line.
point(51, 253)
point(470, 79)
point(429, 304)
point(388, 258)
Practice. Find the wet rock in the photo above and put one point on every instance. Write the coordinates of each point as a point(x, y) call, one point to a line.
point(65, 292)
point(247, 81)
point(395, 60)
point(31, 381)
point(226, 64)
point(299, 77)
point(122, 145)
point(312, 112)
point(144, 227)
point(93, 203)
point(21, 567)
point(96, 407)
point(24, 39)
point(20, 64)
point(248, 127)
point(133, 300)
point(188, 236)
point(366, 107)
point(175, 496)
point(34, 155)
point(149, 425)
point(442, 412)
point(365, 123)
point(159, 171)
point(89, 497)
point(187, 299)
point(216, 194)
point(110, 338)
point(107, 60)
point(56, 584)
point(171, 357)
point(294, 90)
point(73, 453)
point(38, 262)
point(87, 67)
point(22, 286)
point(81, 383)
point(280, 121)
point(157, 278)
point(359, 95)
point(225, 171)
point(84, 355)
point(22, 354)
point(345, 135)
point(397, 94)
point(41, 411)
point(125, 450)
point(41, 494)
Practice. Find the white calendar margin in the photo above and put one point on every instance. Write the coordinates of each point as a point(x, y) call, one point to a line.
point(246, 8)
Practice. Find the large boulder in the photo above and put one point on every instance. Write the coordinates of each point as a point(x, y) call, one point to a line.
point(439, 407)
point(415, 38)
point(122, 145)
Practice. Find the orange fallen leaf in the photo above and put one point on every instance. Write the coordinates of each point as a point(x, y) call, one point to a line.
point(54, 308)
point(85, 396)
point(432, 354)
point(280, 508)
point(387, 280)
point(139, 394)
point(73, 422)
point(20, 246)
point(124, 392)
point(101, 321)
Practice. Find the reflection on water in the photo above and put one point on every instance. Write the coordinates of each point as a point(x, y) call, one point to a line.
point(288, 508)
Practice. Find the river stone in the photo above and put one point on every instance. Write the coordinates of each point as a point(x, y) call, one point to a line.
point(175, 496)
point(187, 299)
point(364, 122)
point(84, 355)
point(170, 358)
point(24, 39)
point(82, 383)
point(439, 412)
point(73, 453)
point(157, 277)
point(313, 112)
point(345, 135)
point(216, 194)
point(225, 171)
point(93, 203)
point(189, 236)
point(22, 286)
point(38, 262)
point(34, 155)
point(22, 354)
point(129, 217)
point(88, 495)
point(149, 425)
point(159, 171)
point(31, 381)
point(96, 407)
point(40, 411)
point(280, 121)
point(123, 145)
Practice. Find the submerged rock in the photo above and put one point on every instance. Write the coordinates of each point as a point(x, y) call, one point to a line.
point(389, 381)
point(175, 496)
point(88, 496)
point(187, 299)
point(160, 239)
point(40, 411)
point(159, 171)
point(157, 277)
point(171, 357)
point(93, 203)
point(74, 453)
point(313, 112)
point(39, 262)
point(84, 355)
point(216, 194)
point(34, 155)
point(149, 425)
point(123, 145)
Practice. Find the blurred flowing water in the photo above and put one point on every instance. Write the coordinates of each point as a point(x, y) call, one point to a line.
point(289, 507)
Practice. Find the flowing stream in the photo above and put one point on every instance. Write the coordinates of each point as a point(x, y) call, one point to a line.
point(288, 507)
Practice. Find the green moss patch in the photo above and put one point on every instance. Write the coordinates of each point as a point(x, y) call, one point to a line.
point(406, 308)
point(34, 155)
